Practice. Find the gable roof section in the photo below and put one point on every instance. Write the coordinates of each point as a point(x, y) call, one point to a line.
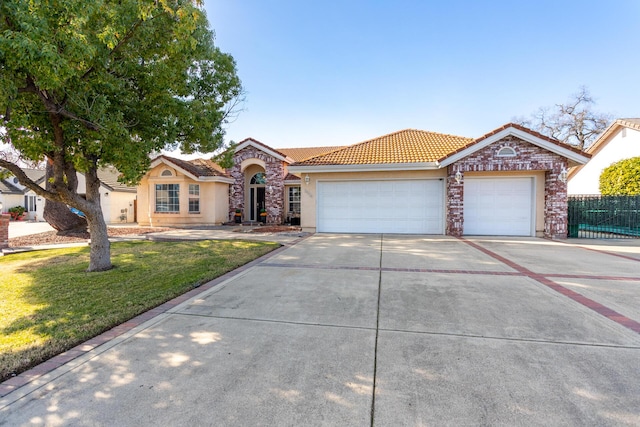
point(605, 137)
point(511, 129)
point(198, 169)
point(250, 142)
point(398, 149)
point(303, 153)
point(8, 187)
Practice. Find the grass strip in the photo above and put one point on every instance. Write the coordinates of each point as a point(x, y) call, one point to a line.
point(49, 303)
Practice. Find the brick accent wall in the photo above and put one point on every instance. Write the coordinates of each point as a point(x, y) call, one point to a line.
point(274, 188)
point(528, 157)
point(4, 231)
point(454, 206)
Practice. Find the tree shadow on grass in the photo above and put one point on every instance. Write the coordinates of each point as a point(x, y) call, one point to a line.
point(65, 305)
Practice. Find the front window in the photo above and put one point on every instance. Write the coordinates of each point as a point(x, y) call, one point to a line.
point(294, 199)
point(30, 203)
point(258, 178)
point(194, 198)
point(167, 197)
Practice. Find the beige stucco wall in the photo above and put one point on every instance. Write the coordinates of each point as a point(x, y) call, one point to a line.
point(308, 196)
point(112, 202)
point(538, 182)
point(214, 200)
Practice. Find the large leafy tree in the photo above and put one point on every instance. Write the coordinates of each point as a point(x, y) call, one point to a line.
point(107, 82)
point(573, 122)
point(621, 178)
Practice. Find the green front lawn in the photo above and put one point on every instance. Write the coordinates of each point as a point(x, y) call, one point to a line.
point(49, 303)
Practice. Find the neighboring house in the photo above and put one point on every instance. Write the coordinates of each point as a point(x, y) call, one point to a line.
point(507, 182)
point(12, 194)
point(619, 141)
point(117, 200)
point(511, 181)
point(178, 192)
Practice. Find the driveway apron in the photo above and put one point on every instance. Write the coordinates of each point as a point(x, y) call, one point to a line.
point(380, 330)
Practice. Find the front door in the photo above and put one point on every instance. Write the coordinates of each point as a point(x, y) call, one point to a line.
point(256, 202)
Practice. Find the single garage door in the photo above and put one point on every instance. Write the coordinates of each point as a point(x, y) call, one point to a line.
point(406, 207)
point(498, 206)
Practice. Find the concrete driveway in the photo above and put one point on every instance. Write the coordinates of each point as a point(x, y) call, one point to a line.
point(374, 330)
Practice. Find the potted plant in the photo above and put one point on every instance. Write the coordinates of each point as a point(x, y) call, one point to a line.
point(263, 215)
point(238, 216)
point(17, 213)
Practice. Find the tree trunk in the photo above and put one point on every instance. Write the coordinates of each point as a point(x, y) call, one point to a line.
point(100, 256)
point(57, 214)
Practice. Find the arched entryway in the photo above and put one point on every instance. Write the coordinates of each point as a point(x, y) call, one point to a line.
point(256, 195)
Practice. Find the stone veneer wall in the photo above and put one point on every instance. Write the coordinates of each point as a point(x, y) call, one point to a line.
point(274, 175)
point(528, 157)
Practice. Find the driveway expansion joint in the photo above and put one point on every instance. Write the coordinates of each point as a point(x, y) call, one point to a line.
point(601, 309)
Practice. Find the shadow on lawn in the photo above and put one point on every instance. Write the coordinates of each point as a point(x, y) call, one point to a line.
point(64, 305)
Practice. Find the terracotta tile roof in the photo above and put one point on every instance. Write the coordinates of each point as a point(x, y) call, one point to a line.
point(303, 153)
point(291, 177)
point(516, 126)
point(630, 123)
point(405, 146)
point(198, 167)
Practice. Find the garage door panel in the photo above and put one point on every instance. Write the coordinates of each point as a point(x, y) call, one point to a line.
point(500, 206)
point(412, 206)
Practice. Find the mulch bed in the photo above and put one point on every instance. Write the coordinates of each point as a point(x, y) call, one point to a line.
point(52, 237)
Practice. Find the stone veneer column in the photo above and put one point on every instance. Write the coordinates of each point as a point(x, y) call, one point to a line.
point(555, 204)
point(455, 204)
point(274, 191)
point(4, 231)
point(274, 188)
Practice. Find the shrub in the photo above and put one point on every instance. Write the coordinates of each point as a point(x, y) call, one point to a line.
point(16, 212)
point(621, 178)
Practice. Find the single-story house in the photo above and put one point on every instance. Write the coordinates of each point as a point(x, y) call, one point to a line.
point(511, 181)
point(619, 141)
point(13, 194)
point(178, 192)
point(118, 200)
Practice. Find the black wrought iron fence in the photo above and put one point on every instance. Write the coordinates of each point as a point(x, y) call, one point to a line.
point(602, 217)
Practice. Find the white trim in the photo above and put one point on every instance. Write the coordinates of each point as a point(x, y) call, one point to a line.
point(252, 143)
point(525, 136)
point(295, 170)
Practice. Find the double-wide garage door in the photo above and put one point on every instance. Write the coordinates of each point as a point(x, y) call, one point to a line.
point(403, 206)
point(498, 206)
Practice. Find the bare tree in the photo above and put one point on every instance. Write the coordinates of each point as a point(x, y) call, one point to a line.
point(572, 122)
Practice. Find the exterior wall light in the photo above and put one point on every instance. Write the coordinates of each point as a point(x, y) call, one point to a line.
point(306, 179)
point(458, 177)
point(563, 175)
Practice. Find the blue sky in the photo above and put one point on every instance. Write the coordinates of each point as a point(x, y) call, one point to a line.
point(340, 72)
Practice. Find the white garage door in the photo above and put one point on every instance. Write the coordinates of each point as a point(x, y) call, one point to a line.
point(500, 206)
point(407, 207)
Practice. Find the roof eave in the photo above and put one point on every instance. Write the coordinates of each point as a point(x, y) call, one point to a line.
point(262, 147)
point(382, 167)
